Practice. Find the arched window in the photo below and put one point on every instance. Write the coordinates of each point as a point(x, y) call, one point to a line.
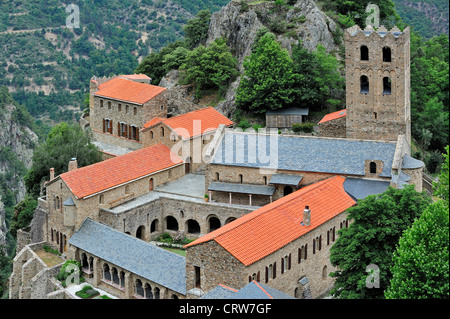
point(106, 272)
point(364, 84)
point(150, 184)
point(386, 85)
point(241, 178)
point(139, 288)
point(375, 115)
point(387, 54)
point(171, 223)
point(265, 180)
point(324, 272)
point(287, 190)
point(148, 291)
point(151, 134)
point(217, 177)
point(162, 131)
point(154, 226)
point(364, 53)
point(373, 168)
point(193, 226)
point(214, 223)
point(101, 199)
point(140, 232)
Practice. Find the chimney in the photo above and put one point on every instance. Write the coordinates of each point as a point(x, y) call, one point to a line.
point(306, 216)
point(52, 173)
point(73, 164)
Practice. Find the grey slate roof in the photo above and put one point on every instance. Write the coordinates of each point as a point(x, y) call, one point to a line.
point(309, 154)
point(285, 179)
point(401, 180)
point(242, 188)
point(253, 290)
point(69, 202)
point(411, 163)
point(139, 257)
point(361, 188)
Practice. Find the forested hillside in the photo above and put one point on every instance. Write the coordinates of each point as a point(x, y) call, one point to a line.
point(47, 66)
point(428, 17)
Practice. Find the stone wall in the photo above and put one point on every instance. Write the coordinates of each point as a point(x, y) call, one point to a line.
point(375, 114)
point(333, 128)
point(218, 266)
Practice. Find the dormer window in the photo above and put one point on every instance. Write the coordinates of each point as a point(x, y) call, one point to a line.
point(373, 168)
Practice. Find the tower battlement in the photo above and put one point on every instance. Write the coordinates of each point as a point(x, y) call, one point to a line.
point(382, 32)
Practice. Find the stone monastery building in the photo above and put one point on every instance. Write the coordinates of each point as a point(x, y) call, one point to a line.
point(262, 209)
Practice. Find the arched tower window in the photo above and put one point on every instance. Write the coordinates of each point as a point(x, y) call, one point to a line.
point(364, 83)
point(364, 53)
point(386, 85)
point(387, 54)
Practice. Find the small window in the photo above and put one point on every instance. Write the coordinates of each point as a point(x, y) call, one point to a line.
point(109, 105)
point(162, 131)
point(126, 108)
point(265, 180)
point(375, 115)
point(324, 272)
point(101, 199)
point(217, 177)
point(120, 107)
point(134, 110)
point(197, 277)
point(373, 168)
point(101, 103)
point(151, 134)
point(386, 85)
point(387, 54)
point(162, 107)
point(364, 82)
point(241, 178)
point(127, 189)
point(364, 53)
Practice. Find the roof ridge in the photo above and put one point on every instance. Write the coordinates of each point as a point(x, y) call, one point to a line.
point(256, 283)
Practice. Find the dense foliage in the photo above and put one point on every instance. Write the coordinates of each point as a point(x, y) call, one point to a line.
point(421, 260)
point(378, 221)
point(273, 79)
point(64, 142)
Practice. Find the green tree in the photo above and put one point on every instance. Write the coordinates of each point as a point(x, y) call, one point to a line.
point(377, 224)
point(196, 29)
point(23, 214)
point(210, 67)
point(441, 188)
point(5, 271)
point(328, 78)
point(268, 80)
point(65, 141)
point(421, 261)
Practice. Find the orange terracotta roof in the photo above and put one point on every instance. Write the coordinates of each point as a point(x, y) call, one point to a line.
point(101, 176)
point(269, 228)
point(128, 90)
point(136, 76)
point(186, 125)
point(334, 116)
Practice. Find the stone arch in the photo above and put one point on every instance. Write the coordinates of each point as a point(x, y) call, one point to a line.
point(364, 84)
point(139, 289)
point(157, 293)
point(229, 220)
point(154, 226)
point(324, 272)
point(148, 291)
point(115, 276)
point(192, 226)
point(171, 223)
point(140, 232)
point(287, 190)
point(213, 223)
point(106, 272)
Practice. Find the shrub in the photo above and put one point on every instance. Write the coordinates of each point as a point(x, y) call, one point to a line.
point(303, 127)
point(87, 292)
point(68, 269)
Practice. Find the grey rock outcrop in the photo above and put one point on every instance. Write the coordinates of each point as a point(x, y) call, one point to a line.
point(304, 20)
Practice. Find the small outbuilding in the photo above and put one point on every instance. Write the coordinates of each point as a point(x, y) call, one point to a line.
point(284, 118)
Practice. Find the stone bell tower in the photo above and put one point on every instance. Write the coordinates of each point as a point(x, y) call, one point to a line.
point(377, 66)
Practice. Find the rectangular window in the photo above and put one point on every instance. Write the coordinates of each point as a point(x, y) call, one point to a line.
point(197, 277)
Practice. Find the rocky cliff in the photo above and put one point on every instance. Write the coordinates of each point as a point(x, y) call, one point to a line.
point(240, 24)
point(17, 141)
